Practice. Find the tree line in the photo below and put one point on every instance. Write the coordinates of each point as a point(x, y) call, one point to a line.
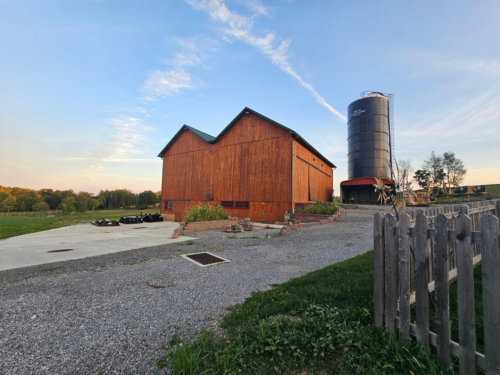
point(15, 199)
point(440, 168)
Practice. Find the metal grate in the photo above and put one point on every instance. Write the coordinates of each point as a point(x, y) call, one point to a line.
point(228, 204)
point(59, 251)
point(204, 259)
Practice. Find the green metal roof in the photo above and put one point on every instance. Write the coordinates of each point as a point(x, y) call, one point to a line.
point(210, 139)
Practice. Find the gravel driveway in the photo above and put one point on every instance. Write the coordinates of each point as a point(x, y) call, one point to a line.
point(113, 313)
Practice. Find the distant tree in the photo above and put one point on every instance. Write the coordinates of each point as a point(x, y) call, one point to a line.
point(82, 201)
point(41, 207)
point(434, 166)
point(68, 205)
point(26, 200)
point(93, 204)
point(3, 195)
point(53, 198)
point(9, 204)
point(421, 177)
point(405, 165)
point(146, 198)
point(454, 167)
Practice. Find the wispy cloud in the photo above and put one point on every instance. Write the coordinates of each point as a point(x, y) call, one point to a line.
point(240, 27)
point(474, 115)
point(125, 142)
point(490, 67)
point(165, 83)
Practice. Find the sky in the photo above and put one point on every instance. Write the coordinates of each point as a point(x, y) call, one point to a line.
point(91, 91)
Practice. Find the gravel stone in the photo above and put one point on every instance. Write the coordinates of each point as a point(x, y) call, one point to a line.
point(112, 314)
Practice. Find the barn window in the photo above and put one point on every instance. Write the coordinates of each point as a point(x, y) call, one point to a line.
point(242, 205)
point(227, 204)
point(168, 205)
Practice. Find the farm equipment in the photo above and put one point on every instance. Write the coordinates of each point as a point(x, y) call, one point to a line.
point(131, 219)
point(471, 190)
point(148, 218)
point(106, 223)
point(421, 197)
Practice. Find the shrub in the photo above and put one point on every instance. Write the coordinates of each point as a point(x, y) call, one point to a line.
point(319, 208)
point(205, 212)
point(41, 207)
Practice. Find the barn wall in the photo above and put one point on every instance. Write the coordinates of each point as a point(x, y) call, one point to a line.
point(309, 183)
point(250, 163)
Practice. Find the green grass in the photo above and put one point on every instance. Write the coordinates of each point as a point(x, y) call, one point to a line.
point(11, 226)
point(492, 190)
point(321, 323)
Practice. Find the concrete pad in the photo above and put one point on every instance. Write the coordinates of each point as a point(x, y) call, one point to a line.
point(85, 240)
point(262, 226)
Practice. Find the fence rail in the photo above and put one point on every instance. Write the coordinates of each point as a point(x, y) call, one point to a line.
point(423, 253)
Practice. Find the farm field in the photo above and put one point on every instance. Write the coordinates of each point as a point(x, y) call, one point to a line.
point(11, 226)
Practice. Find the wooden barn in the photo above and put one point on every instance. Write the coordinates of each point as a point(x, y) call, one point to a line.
point(255, 168)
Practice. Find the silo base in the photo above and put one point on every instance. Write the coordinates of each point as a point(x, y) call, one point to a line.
point(360, 190)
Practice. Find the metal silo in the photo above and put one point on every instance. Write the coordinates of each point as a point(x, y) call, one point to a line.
point(369, 136)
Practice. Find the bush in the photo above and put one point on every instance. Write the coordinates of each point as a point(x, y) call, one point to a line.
point(41, 207)
point(205, 212)
point(319, 208)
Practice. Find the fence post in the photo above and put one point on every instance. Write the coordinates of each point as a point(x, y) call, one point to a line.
point(490, 253)
point(391, 282)
point(378, 269)
point(404, 276)
point(421, 282)
point(441, 294)
point(465, 286)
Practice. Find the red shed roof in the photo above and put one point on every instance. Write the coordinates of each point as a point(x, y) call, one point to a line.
point(364, 181)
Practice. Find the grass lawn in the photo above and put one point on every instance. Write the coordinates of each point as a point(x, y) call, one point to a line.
point(321, 323)
point(11, 226)
point(492, 190)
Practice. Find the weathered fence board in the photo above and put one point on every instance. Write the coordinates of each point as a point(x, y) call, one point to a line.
point(421, 281)
point(378, 269)
point(404, 276)
point(424, 252)
point(491, 292)
point(391, 282)
point(441, 297)
point(465, 287)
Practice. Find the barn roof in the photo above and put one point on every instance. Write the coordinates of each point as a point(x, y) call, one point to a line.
point(210, 139)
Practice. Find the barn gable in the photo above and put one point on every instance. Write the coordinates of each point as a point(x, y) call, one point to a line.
point(250, 134)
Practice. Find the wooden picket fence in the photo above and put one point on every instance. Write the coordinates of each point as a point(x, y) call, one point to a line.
point(422, 253)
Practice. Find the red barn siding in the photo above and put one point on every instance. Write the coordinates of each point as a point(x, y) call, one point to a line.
point(309, 184)
point(250, 163)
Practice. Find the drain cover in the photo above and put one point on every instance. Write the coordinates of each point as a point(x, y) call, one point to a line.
point(204, 259)
point(59, 251)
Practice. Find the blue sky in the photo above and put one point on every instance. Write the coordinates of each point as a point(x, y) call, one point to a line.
point(91, 91)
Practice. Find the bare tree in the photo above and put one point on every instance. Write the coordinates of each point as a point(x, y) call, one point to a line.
point(208, 195)
point(455, 169)
point(405, 165)
point(434, 166)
